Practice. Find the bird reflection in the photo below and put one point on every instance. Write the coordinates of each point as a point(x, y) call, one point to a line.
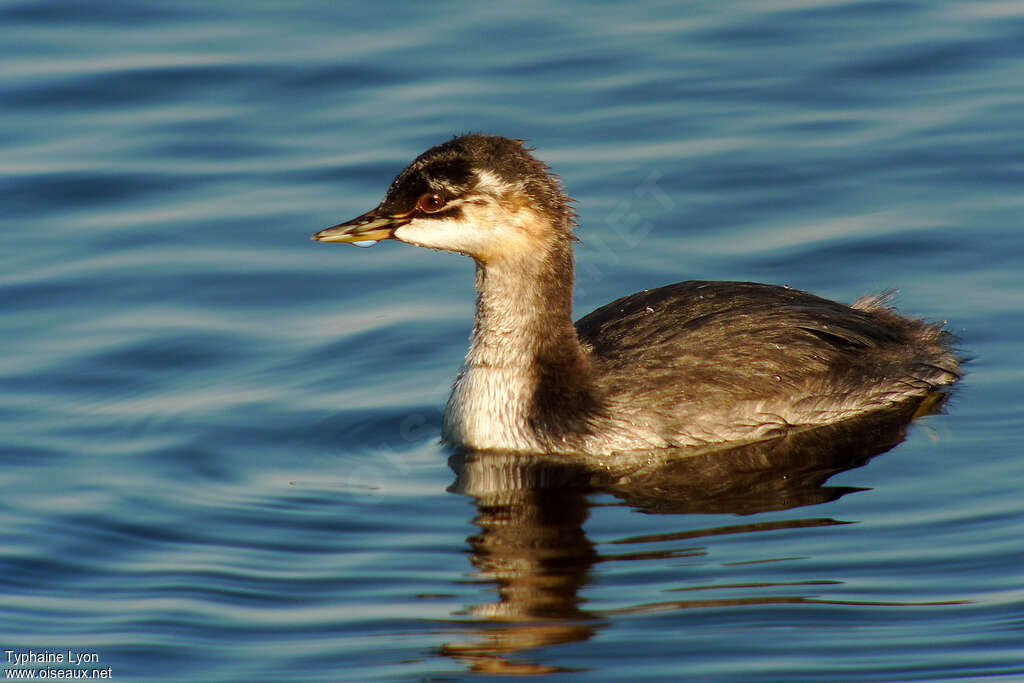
point(531, 512)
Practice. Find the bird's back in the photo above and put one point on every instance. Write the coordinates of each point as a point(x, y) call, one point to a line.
point(701, 362)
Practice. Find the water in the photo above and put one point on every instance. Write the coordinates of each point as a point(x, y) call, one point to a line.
point(220, 455)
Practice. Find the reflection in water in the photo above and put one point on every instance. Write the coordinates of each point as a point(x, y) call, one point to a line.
point(531, 511)
point(532, 544)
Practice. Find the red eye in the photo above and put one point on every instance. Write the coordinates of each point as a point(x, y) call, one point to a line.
point(430, 203)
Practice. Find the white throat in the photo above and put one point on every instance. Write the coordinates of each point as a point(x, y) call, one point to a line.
point(489, 403)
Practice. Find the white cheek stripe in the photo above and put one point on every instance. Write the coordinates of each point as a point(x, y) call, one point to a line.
point(490, 183)
point(485, 230)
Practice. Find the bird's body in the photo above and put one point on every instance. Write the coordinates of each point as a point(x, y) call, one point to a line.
point(689, 364)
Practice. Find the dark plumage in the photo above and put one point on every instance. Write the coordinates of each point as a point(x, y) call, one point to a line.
point(703, 348)
point(687, 364)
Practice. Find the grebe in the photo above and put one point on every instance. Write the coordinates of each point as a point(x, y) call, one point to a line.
point(693, 363)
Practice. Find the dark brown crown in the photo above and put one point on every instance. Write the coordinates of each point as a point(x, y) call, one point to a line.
point(451, 168)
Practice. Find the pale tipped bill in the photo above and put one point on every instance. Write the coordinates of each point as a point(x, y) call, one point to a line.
point(365, 230)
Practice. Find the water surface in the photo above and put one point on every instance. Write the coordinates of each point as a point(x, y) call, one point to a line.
point(219, 456)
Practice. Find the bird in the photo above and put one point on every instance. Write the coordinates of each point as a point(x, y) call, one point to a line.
point(695, 363)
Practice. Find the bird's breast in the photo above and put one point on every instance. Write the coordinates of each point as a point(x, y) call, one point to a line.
point(487, 409)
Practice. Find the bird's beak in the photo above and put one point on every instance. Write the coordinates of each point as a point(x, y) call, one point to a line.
point(371, 227)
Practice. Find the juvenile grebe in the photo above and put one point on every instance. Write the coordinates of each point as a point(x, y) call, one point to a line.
point(692, 363)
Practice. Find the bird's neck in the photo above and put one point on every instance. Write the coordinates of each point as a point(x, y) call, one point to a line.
point(524, 310)
point(524, 356)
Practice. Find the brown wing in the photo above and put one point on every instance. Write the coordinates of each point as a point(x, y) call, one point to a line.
point(694, 350)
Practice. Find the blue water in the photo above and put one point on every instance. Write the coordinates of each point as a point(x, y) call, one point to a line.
point(219, 456)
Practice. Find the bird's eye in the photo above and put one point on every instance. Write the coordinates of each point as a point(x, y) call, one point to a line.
point(430, 203)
